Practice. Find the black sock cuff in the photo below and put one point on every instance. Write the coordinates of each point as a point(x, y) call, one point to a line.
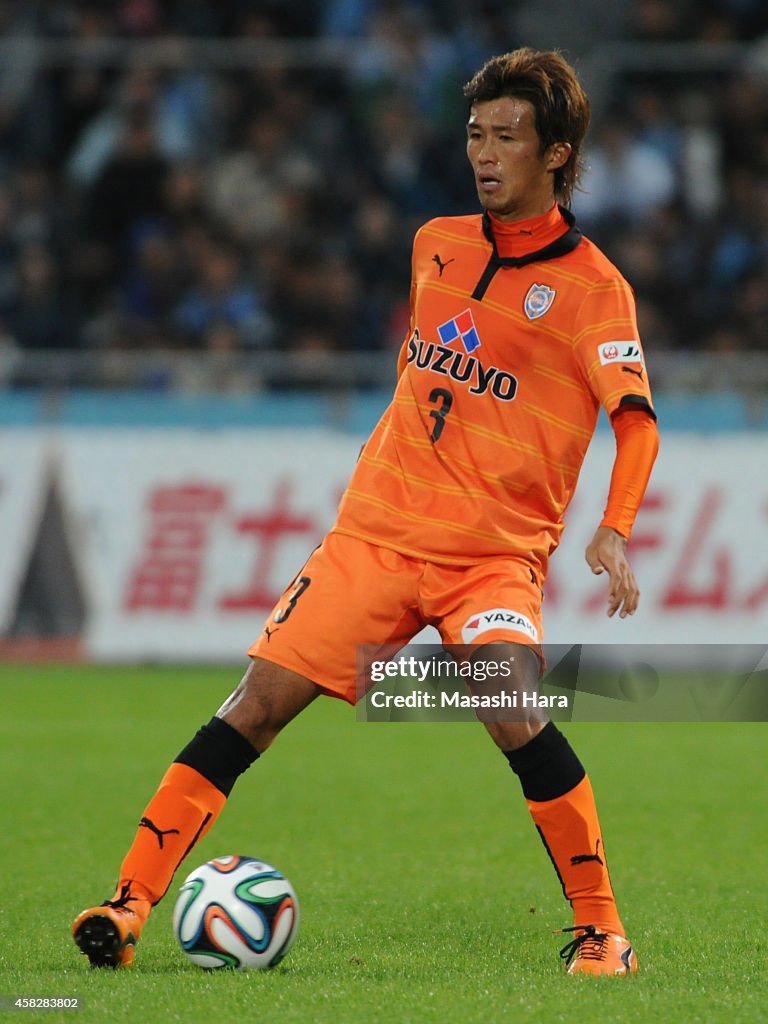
point(220, 753)
point(546, 766)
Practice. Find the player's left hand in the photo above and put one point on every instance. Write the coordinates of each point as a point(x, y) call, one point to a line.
point(607, 552)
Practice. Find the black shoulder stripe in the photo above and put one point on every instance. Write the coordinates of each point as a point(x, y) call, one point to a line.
point(638, 401)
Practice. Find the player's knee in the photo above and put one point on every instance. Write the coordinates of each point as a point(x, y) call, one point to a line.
point(513, 735)
point(256, 719)
point(515, 716)
point(267, 698)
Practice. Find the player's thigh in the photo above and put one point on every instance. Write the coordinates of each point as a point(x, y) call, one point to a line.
point(494, 600)
point(348, 594)
point(490, 612)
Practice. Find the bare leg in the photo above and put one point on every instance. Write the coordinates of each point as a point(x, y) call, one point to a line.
point(265, 700)
point(523, 724)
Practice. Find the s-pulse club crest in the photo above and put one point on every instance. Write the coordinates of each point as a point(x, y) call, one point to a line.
point(538, 299)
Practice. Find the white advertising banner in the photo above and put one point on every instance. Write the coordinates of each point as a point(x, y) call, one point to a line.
point(186, 539)
point(23, 481)
point(699, 548)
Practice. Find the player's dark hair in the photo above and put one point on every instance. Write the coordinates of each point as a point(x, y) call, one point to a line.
point(561, 107)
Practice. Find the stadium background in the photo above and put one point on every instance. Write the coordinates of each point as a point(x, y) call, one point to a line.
point(205, 222)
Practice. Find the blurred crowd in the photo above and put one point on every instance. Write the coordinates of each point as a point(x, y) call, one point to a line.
point(243, 204)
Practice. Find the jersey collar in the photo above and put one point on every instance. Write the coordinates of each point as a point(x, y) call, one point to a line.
point(561, 245)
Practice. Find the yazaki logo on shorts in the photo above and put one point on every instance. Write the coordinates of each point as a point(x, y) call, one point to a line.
point(620, 352)
point(497, 618)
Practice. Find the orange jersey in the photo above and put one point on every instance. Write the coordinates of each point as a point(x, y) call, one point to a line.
point(507, 362)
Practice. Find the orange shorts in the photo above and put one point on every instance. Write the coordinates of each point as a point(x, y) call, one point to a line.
point(350, 592)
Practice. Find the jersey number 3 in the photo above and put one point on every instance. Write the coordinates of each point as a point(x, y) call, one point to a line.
point(299, 587)
point(445, 398)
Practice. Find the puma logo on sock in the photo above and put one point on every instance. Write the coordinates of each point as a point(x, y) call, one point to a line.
point(159, 832)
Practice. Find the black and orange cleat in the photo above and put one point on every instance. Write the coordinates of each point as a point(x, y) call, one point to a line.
point(597, 952)
point(108, 934)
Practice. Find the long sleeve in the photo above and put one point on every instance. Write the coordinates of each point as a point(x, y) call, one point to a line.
point(637, 442)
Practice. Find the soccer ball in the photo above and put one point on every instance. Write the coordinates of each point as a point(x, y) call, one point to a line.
point(236, 912)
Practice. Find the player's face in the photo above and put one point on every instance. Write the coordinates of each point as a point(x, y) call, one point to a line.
point(514, 179)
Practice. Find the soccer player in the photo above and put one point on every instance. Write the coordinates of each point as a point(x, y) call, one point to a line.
point(520, 330)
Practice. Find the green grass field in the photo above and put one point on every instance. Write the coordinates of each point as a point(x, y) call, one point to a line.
point(425, 892)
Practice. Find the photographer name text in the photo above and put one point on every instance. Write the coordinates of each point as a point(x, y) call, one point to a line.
point(427, 699)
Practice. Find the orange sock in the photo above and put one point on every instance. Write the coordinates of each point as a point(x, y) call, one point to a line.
point(569, 827)
point(178, 815)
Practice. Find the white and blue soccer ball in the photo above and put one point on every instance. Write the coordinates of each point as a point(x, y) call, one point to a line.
point(236, 912)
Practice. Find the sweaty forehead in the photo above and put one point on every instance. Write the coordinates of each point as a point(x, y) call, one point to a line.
point(508, 111)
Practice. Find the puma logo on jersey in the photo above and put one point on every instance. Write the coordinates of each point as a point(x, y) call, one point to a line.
point(461, 367)
point(436, 259)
